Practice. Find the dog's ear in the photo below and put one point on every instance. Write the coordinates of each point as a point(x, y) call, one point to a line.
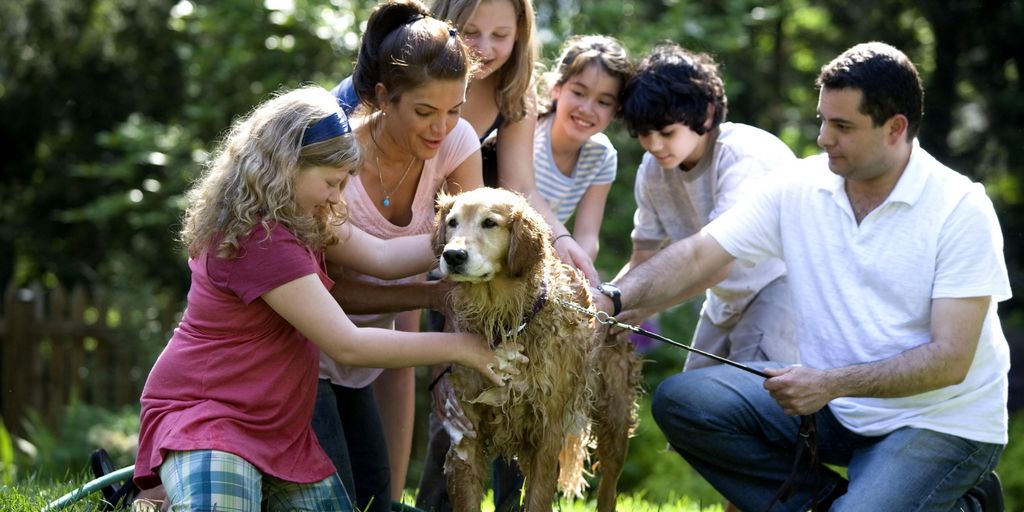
point(444, 205)
point(528, 238)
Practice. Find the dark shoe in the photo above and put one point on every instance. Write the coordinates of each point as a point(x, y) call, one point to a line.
point(116, 495)
point(988, 493)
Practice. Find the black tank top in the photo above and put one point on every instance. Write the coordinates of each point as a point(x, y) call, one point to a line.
point(489, 153)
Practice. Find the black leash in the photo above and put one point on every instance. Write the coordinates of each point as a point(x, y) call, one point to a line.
point(806, 445)
point(807, 440)
point(437, 379)
point(609, 320)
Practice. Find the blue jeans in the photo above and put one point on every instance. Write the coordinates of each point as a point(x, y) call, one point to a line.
point(349, 429)
point(723, 422)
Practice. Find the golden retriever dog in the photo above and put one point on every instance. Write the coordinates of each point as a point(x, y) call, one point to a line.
point(575, 388)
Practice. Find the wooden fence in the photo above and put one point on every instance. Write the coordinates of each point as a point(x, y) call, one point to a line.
point(60, 346)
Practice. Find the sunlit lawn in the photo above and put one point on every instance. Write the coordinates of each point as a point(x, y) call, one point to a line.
point(630, 503)
point(33, 496)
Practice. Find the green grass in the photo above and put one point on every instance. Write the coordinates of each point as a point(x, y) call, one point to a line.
point(629, 503)
point(32, 496)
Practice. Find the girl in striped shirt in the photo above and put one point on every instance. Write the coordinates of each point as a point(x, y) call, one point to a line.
point(574, 162)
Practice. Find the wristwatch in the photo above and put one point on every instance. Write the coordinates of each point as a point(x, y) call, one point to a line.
point(613, 292)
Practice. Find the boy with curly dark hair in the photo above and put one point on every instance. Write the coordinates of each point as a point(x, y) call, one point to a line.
point(696, 167)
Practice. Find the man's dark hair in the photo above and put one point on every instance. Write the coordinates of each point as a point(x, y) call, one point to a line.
point(887, 79)
point(674, 85)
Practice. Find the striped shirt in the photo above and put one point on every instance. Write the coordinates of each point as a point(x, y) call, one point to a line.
point(596, 165)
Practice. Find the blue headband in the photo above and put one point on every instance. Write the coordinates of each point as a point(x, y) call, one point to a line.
point(334, 125)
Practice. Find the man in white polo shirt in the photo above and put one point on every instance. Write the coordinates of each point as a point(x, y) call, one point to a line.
point(896, 267)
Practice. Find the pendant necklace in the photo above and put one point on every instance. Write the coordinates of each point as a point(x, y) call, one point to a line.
point(380, 176)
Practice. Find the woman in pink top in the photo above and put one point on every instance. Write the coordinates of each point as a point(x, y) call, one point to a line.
point(407, 90)
point(226, 409)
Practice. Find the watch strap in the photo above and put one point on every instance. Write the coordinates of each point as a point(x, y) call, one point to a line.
point(615, 294)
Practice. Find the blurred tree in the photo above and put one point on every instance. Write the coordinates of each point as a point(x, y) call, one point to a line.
point(69, 71)
point(109, 107)
point(974, 107)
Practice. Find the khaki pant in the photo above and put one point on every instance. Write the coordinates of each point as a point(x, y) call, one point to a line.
point(764, 332)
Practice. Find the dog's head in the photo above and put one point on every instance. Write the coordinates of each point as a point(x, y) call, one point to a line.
point(488, 232)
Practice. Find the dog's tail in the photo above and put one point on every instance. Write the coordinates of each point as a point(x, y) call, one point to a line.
point(573, 461)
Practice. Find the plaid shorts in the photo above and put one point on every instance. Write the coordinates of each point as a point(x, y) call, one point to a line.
point(207, 480)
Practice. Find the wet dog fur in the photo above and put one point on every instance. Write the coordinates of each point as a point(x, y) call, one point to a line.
point(579, 385)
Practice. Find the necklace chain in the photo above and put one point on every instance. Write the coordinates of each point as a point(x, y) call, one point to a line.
point(380, 176)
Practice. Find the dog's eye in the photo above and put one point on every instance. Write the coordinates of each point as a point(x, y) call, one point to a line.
point(453, 222)
point(489, 223)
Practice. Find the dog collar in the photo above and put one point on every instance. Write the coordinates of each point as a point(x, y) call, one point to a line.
point(538, 305)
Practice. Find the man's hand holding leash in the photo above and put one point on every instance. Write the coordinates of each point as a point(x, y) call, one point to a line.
point(798, 389)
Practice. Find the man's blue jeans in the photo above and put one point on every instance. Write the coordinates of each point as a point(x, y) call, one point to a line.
point(723, 422)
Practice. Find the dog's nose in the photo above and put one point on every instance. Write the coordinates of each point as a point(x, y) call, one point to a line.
point(455, 257)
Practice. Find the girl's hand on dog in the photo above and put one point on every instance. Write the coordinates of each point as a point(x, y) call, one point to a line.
point(570, 252)
point(509, 355)
point(474, 353)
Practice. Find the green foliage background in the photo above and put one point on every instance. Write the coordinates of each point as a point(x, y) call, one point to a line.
point(108, 108)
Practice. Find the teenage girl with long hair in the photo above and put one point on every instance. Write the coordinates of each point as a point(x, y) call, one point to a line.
point(501, 104)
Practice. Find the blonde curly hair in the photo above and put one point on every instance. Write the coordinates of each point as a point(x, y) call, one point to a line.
point(250, 178)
